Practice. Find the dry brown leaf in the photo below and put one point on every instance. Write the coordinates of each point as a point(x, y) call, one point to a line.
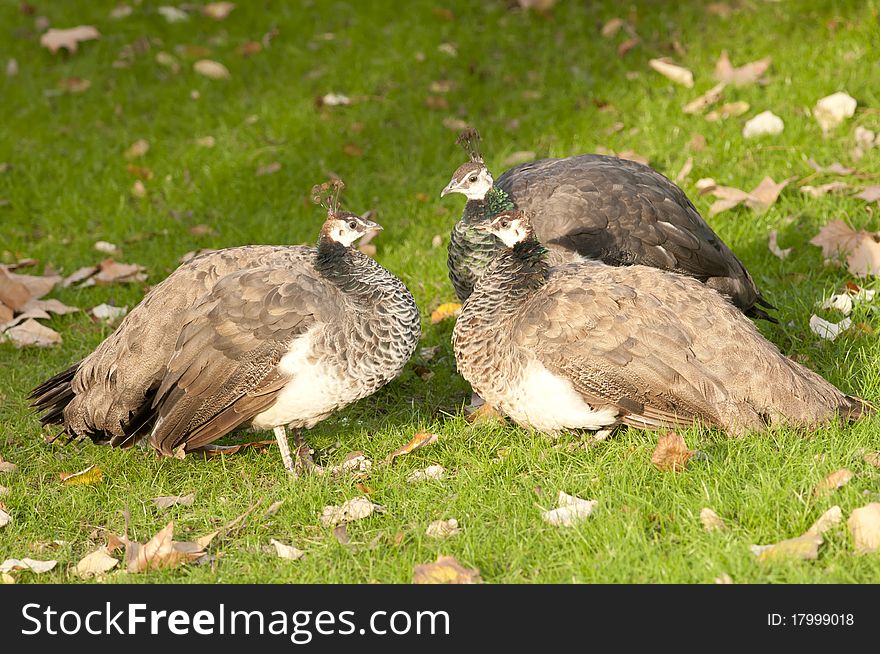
point(95, 564)
point(764, 124)
point(160, 552)
point(671, 453)
point(709, 98)
point(111, 271)
point(435, 471)
point(828, 330)
point(53, 40)
point(861, 248)
point(728, 110)
point(5, 314)
point(36, 286)
point(685, 170)
point(864, 525)
point(354, 509)
point(823, 189)
point(832, 110)
point(454, 124)
point(711, 520)
point(436, 102)
point(13, 293)
point(87, 477)
point(137, 149)
point(6, 466)
point(836, 168)
point(352, 150)
point(445, 570)
point(78, 276)
point(759, 199)
point(873, 458)
point(268, 169)
point(173, 14)
point(354, 462)
point(217, 10)
point(804, 547)
point(773, 245)
point(32, 334)
point(826, 521)
point(211, 69)
point(166, 501)
point(832, 482)
point(5, 518)
point(870, 194)
point(443, 528)
point(569, 510)
point(678, 74)
point(49, 306)
point(746, 74)
point(417, 442)
point(206, 141)
point(286, 551)
point(33, 565)
point(444, 311)
point(626, 46)
point(74, 84)
point(613, 26)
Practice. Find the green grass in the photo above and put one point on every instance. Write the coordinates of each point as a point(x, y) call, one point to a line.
point(565, 87)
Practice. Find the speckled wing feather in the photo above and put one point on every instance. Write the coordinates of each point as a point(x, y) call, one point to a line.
point(224, 368)
point(623, 213)
point(663, 349)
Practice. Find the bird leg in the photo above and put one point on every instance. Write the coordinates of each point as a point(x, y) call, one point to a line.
point(304, 455)
point(281, 437)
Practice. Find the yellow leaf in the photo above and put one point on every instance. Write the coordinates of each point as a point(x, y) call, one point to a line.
point(420, 440)
point(444, 311)
point(87, 477)
point(445, 570)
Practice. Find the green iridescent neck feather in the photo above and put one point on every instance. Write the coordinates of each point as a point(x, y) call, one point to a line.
point(494, 203)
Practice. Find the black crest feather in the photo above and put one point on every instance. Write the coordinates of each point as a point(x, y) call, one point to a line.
point(327, 195)
point(469, 139)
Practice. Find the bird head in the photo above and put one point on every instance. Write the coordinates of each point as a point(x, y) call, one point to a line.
point(511, 227)
point(341, 226)
point(472, 179)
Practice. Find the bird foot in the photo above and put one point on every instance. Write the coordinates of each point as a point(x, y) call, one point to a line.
point(305, 463)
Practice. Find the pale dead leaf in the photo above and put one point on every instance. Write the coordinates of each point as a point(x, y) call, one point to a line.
point(169, 61)
point(137, 149)
point(711, 520)
point(340, 533)
point(864, 525)
point(746, 74)
point(832, 482)
point(709, 98)
point(435, 471)
point(217, 10)
point(173, 14)
point(445, 570)
point(354, 462)
point(758, 199)
point(569, 510)
point(454, 124)
point(873, 459)
point(685, 170)
point(167, 501)
point(108, 313)
point(334, 100)
point(33, 565)
point(6, 466)
point(417, 442)
point(836, 168)
point(828, 330)
point(53, 40)
point(111, 271)
point(5, 518)
point(443, 528)
point(78, 276)
point(870, 194)
point(32, 334)
point(106, 248)
point(724, 579)
point(36, 285)
point(211, 69)
point(774, 245)
point(74, 84)
point(728, 110)
point(861, 248)
point(444, 311)
point(611, 28)
point(48, 306)
point(5, 315)
point(832, 110)
point(765, 123)
point(678, 74)
point(804, 547)
point(87, 477)
point(286, 551)
point(671, 453)
point(206, 141)
point(842, 302)
point(13, 293)
point(823, 189)
point(95, 564)
point(160, 552)
point(354, 509)
point(826, 521)
point(268, 169)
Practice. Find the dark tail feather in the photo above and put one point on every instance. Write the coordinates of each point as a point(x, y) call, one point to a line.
point(755, 312)
point(858, 408)
point(53, 395)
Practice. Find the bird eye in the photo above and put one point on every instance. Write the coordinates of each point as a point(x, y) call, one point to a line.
point(472, 179)
point(352, 224)
point(504, 224)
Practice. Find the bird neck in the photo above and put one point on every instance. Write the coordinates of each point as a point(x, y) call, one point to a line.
point(517, 272)
point(490, 206)
point(358, 276)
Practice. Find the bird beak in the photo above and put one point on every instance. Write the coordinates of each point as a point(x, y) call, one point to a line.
point(448, 189)
point(373, 226)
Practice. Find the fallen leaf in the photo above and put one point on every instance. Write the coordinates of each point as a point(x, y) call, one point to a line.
point(173, 14)
point(12, 68)
point(842, 302)
point(455, 124)
point(74, 84)
point(268, 169)
point(32, 334)
point(36, 286)
point(445, 570)
point(728, 110)
point(861, 248)
point(724, 579)
point(87, 477)
point(137, 149)
point(13, 293)
point(121, 11)
point(873, 458)
point(685, 170)
point(774, 246)
point(677, 74)
point(697, 143)
point(870, 194)
point(431, 472)
point(211, 69)
point(160, 552)
point(442, 86)
point(443, 528)
point(864, 525)
point(417, 442)
point(286, 551)
point(53, 40)
point(138, 190)
point(828, 330)
point(836, 168)
point(354, 509)
point(217, 10)
point(108, 313)
point(570, 510)
point(746, 74)
point(823, 189)
point(611, 28)
point(758, 199)
point(33, 565)
point(167, 501)
point(765, 123)
point(6, 466)
point(518, 157)
point(353, 150)
point(832, 482)
point(169, 61)
point(832, 110)
point(709, 98)
point(865, 139)
point(671, 453)
point(206, 141)
point(95, 564)
point(334, 100)
point(355, 462)
point(444, 311)
point(711, 520)
point(78, 276)
point(48, 306)
point(5, 315)
point(437, 102)
point(804, 547)
point(719, 9)
point(5, 518)
point(826, 521)
point(111, 271)
point(626, 46)
point(448, 49)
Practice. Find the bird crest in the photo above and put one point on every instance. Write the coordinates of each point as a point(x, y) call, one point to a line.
point(469, 140)
point(327, 195)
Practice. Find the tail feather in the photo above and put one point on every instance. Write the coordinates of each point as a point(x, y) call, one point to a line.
point(857, 409)
point(53, 396)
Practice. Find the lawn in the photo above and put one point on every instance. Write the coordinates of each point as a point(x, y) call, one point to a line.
point(549, 84)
